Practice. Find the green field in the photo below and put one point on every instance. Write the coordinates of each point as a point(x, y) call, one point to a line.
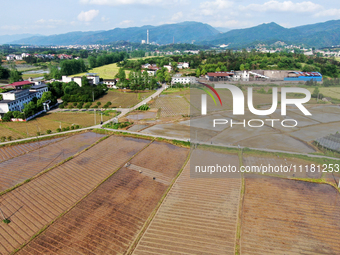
point(333, 92)
point(105, 72)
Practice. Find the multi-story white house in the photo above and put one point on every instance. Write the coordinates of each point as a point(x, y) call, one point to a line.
point(182, 65)
point(93, 79)
point(14, 100)
point(110, 83)
point(183, 80)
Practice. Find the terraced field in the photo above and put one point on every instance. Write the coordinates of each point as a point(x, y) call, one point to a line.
point(8, 152)
point(21, 168)
point(40, 201)
point(282, 216)
point(199, 216)
point(109, 219)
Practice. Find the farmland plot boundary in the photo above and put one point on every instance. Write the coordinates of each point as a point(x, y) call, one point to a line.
point(81, 199)
point(51, 168)
point(155, 211)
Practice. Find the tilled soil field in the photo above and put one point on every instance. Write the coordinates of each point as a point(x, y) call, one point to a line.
point(199, 216)
point(21, 168)
point(171, 106)
point(38, 202)
point(164, 158)
point(109, 219)
point(282, 216)
point(8, 152)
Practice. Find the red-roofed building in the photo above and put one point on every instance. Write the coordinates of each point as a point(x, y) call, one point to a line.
point(219, 76)
point(19, 84)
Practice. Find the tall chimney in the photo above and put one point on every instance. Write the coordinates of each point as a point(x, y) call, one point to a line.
point(147, 36)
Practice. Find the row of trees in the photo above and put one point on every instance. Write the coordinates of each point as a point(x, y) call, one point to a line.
point(229, 60)
point(136, 80)
point(105, 59)
point(72, 92)
point(142, 80)
point(73, 66)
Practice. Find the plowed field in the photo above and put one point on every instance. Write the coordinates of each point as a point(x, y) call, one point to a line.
point(37, 203)
point(289, 217)
point(109, 219)
point(21, 168)
point(199, 216)
point(8, 152)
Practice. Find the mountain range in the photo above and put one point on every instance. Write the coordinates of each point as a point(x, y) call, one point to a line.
point(318, 35)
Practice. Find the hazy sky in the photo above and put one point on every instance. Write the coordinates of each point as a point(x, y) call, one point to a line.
point(60, 16)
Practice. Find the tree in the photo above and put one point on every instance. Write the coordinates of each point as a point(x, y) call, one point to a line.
point(242, 67)
point(316, 93)
point(92, 62)
point(121, 75)
point(14, 76)
point(198, 72)
point(84, 81)
point(167, 77)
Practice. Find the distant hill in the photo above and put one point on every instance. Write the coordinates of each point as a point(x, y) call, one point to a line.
point(185, 32)
point(222, 29)
point(62, 39)
point(317, 35)
point(4, 39)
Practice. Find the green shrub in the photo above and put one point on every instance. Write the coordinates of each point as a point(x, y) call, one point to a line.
point(49, 131)
point(77, 126)
point(6, 221)
point(3, 138)
point(58, 129)
point(72, 127)
point(143, 107)
point(38, 133)
point(9, 138)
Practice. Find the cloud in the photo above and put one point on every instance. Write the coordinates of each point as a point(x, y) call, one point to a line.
point(213, 7)
point(126, 23)
point(329, 12)
point(10, 27)
point(231, 23)
point(104, 19)
point(286, 6)
point(88, 16)
point(177, 16)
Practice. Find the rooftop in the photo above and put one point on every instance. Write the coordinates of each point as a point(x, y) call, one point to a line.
point(6, 101)
point(20, 83)
point(38, 86)
point(219, 74)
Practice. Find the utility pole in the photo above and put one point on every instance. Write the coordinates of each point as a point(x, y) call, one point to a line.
point(93, 96)
point(60, 124)
point(26, 124)
point(95, 123)
point(101, 117)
